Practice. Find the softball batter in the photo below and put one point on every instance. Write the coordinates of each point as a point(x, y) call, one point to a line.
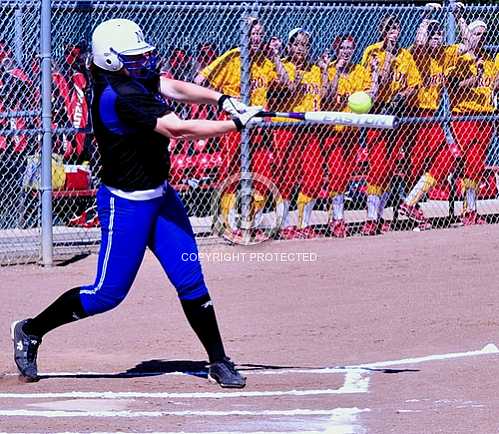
point(137, 207)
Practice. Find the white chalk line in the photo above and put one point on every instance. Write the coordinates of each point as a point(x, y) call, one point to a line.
point(339, 421)
point(486, 350)
point(181, 395)
point(353, 381)
point(196, 432)
point(209, 413)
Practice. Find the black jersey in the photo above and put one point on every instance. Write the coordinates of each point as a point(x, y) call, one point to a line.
point(124, 113)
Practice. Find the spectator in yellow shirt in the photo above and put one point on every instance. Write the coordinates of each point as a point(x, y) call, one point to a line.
point(471, 88)
point(297, 153)
point(398, 81)
point(431, 158)
point(224, 75)
point(341, 78)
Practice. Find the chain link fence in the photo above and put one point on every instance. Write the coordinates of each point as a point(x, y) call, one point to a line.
point(19, 124)
point(436, 69)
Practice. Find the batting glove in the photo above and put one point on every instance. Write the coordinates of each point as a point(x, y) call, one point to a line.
point(231, 105)
point(248, 119)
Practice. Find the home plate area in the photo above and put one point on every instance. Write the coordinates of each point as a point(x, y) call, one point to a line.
point(339, 400)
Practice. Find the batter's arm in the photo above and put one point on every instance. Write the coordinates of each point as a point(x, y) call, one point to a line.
point(170, 125)
point(190, 93)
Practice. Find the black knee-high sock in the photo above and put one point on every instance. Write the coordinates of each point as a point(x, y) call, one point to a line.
point(67, 308)
point(201, 317)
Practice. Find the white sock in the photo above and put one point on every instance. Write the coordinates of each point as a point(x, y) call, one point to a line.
point(425, 183)
point(307, 213)
point(285, 214)
point(414, 195)
point(373, 201)
point(338, 207)
point(232, 218)
point(471, 199)
point(382, 203)
point(257, 218)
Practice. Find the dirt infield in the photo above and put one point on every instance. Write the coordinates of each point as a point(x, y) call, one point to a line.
point(391, 334)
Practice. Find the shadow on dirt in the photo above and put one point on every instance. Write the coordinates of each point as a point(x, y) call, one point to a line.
point(151, 368)
point(255, 367)
point(148, 368)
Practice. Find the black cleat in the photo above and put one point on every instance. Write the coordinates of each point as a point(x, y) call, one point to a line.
point(224, 373)
point(25, 350)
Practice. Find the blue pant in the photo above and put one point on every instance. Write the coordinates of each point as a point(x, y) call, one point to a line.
point(128, 227)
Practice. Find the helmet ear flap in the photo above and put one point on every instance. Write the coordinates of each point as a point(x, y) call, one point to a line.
point(112, 60)
point(109, 62)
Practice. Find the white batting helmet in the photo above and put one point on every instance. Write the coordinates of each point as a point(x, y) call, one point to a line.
point(114, 38)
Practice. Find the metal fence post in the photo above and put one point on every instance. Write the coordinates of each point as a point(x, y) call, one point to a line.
point(18, 40)
point(451, 23)
point(46, 175)
point(245, 135)
point(450, 38)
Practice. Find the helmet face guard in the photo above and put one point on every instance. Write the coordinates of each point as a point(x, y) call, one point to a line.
point(140, 66)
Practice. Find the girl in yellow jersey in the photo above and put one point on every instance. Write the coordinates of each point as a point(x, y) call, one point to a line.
point(341, 144)
point(471, 88)
point(432, 60)
point(224, 75)
point(297, 154)
point(496, 84)
point(398, 80)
